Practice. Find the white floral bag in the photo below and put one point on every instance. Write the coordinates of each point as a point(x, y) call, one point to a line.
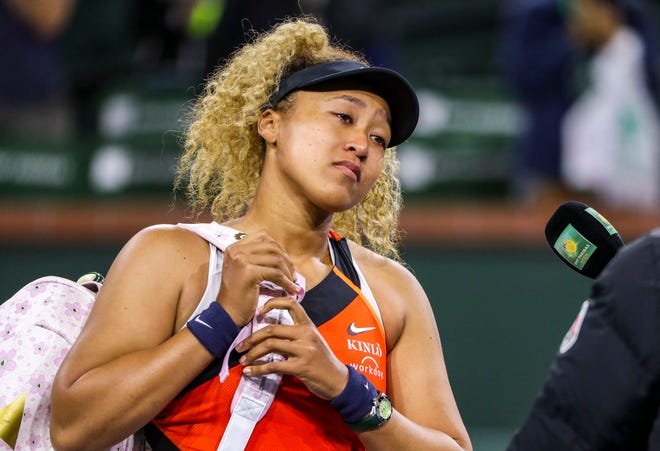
point(38, 325)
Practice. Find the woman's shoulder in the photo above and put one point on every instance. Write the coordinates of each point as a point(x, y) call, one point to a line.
point(380, 266)
point(393, 284)
point(165, 235)
point(162, 242)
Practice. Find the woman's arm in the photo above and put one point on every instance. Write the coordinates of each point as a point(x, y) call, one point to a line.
point(129, 360)
point(132, 357)
point(425, 412)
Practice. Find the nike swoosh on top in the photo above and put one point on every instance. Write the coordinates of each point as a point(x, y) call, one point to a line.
point(354, 330)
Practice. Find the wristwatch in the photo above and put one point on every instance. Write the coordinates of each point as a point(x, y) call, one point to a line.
point(381, 411)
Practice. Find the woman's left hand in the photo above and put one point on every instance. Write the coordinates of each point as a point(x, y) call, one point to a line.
point(307, 355)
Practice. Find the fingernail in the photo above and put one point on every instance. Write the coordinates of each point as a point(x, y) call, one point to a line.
point(242, 359)
point(247, 371)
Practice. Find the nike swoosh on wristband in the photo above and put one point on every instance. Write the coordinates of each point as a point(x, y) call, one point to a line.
point(354, 330)
point(197, 320)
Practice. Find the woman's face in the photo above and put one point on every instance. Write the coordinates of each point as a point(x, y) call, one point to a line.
point(330, 146)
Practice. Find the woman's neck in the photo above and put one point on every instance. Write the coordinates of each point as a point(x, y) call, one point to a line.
point(301, 235)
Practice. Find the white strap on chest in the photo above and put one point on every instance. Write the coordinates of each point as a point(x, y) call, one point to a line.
point(254, 395)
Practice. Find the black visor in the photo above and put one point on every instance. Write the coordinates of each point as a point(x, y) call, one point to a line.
point(385, 83)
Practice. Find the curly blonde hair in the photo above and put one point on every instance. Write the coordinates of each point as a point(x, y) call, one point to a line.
point(223, 153)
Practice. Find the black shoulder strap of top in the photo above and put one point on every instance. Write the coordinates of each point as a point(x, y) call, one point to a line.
point(343, 259)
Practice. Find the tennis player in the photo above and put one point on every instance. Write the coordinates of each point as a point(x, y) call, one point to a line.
point(291, 147)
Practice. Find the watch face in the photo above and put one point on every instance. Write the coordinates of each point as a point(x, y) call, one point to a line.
point(385, 408)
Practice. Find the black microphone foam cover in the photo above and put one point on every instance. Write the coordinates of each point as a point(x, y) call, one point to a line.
point(582, 238)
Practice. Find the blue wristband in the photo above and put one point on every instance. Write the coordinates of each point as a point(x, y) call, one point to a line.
point(214, 329)
point(356, 401)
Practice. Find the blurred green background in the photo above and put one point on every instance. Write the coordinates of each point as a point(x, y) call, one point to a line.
point(130, 97)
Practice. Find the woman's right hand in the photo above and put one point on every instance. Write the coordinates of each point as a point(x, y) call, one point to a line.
point(247, 263)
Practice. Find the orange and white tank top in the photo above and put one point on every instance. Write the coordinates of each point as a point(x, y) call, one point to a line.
point(343, 309)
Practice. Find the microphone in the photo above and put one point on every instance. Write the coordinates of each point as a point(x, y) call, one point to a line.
point(582, 238)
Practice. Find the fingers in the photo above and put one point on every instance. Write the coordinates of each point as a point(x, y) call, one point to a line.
point(296, 310)
point(275, 338)
point(271, 332)
point(283, 340)
point(265, 259)
point(276, 276)
point(272, 367)
point(305, 353)
point(246, 264)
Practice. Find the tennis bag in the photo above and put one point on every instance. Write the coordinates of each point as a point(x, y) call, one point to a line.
point(38, 325)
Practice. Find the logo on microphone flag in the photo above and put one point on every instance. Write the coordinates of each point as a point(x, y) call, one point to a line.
point(574, 248)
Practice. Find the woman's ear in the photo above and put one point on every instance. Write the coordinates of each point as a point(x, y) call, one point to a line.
point(267, 125)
